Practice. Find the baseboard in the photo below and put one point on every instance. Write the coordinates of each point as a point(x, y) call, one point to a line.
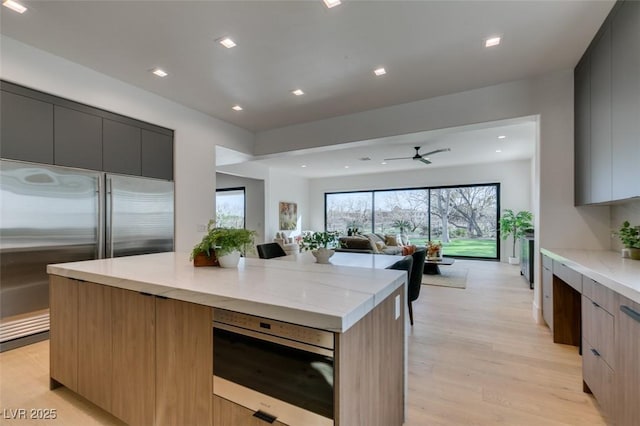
point(537, 313)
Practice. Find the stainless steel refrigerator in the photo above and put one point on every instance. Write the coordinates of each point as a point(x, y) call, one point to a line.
point(52, 214)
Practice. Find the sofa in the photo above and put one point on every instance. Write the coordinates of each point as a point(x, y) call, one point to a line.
point(376, 243)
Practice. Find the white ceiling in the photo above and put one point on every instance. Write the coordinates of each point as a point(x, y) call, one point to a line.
point(469, 145)
point(429, 48)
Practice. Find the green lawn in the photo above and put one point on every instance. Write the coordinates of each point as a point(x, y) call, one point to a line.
point(465, 247)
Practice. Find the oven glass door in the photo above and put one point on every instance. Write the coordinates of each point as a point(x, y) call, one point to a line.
point(298, 377)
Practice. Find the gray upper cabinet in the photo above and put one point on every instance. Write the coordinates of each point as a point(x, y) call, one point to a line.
point(607, 110)
point(582, 90)
point(625, 126)
point(77, 139)
point(600, 154)
point(157, 155)
point(26, 129)
point(121, 144)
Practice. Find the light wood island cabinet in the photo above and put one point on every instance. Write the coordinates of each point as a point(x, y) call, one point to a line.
point(628, 363)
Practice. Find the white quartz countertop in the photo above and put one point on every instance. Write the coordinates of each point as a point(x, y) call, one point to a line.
point(292, 289)
point(606, 267)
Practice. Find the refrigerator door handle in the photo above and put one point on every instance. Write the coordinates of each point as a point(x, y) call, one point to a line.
point(100, 217)
point(109, 230)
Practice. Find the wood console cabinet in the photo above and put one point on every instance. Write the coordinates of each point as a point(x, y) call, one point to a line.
point(628, 362)
point(145, 359)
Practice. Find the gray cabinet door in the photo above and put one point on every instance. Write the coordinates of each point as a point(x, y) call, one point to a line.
point(547, 297)
point(626, 100)
point(582, 89)
point(121, 145)
point(157, 155)
point(601, 117)
point(26, 129)
point(77, 139)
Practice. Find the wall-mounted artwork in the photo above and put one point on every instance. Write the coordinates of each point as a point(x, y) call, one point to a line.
point(288, 216)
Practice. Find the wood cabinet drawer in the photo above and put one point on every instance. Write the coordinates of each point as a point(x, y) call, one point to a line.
point(598, 376)
point(598, 329)
point(568, 275)
point(547, 262)
point(587, 287)
point(227, 413)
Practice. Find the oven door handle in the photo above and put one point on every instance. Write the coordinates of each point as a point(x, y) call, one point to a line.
point(274, 339)
point(264, 416)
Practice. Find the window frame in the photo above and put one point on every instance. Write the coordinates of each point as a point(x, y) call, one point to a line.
point(244, 203)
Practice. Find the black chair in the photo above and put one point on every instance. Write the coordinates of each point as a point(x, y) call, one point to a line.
point(270, 250)
point(415, 278)
point(405, 264)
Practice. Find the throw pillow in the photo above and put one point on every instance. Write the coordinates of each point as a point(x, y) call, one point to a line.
point(390, 240)
point(372, 241)
point(380, 245)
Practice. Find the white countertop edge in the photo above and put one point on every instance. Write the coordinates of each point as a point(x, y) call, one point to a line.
point(622, 288)
point(320, 320)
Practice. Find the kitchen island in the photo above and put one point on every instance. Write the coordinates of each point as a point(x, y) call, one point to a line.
point(135, 335)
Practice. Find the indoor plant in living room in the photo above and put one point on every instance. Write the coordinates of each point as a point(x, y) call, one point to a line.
point(630, 237)
point(321, 244)
point(222, 246)
point(516, 225)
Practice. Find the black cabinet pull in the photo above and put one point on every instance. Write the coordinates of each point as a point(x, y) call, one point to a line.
point(595, 304)
point(264, 416)
point(633, 314)
point(596, 353)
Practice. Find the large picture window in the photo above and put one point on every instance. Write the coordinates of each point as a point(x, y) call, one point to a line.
point(464, 218)
point(230, 208)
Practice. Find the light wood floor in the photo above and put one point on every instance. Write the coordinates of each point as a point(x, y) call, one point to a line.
point(475, 358)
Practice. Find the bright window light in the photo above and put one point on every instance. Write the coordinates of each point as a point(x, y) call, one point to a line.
point(15, 6)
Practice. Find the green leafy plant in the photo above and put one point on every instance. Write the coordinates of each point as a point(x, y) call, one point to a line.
point(515, 224)
point(401, 225)
point(224, 241)
point(629, 235)
point(315, 240)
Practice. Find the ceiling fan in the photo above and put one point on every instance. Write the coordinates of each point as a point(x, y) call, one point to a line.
point(420, 157)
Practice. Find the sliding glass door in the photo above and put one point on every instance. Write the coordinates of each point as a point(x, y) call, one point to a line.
point(464, 218)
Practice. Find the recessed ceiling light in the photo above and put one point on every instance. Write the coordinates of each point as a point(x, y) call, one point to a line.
point(501, 137)
point(15, 6)
point(236, 108)
point(159, 72)
point(498, 150)
point(332, 3)
point(380, 71)
point(384, 162)
point(346, 167)
point(298, 92)
point(303, 166)
point(493, 41)
point(227, 42)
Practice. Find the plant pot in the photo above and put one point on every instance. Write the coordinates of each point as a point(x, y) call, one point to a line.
point(514, 260)
point(634, 253)
point(322, 254)
point(202, 259)
point(230, 260)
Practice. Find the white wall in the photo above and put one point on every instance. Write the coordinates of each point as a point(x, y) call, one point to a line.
point(254, 200)
point(195, 137)
point(514, 178)
point(279, 186)
point(548, 97)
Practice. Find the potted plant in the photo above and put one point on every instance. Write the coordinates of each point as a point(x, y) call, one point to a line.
point(516, 225)
point(222, 246)
point(320, 244)
point(630, 237)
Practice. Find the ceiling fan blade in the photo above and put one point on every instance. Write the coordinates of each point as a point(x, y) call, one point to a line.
point(398, 158)
point(435, 152)
point(425, 161)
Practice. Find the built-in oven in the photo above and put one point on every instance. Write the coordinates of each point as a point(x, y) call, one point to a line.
point(278, 370)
